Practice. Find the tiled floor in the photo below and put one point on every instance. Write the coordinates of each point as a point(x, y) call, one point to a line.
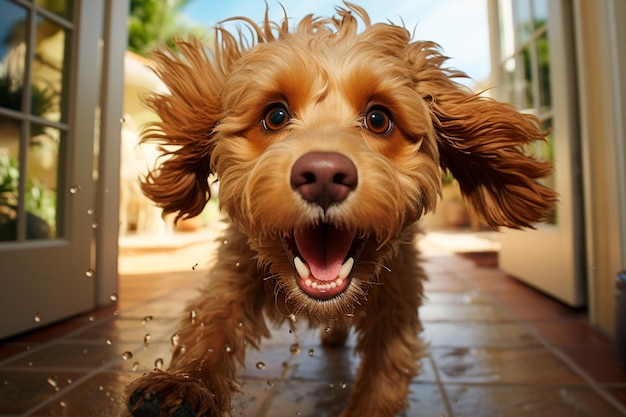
point(497, 348)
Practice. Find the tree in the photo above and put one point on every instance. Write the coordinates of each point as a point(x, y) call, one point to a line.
point(156, 22)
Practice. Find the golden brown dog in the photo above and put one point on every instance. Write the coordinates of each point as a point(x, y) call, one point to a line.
point(328, 145)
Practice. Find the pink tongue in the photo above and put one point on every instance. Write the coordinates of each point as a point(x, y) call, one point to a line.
point(324, 249)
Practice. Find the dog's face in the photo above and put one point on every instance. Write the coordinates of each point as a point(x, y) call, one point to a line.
point(328, 145)
point(325, 153)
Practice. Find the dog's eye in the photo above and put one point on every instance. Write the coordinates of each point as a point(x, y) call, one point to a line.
point(275, 118)
point(378, 121)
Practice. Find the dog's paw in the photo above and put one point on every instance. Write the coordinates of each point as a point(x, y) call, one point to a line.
point(159, 394)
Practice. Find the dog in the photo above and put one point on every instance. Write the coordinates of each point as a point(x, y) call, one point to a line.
point(328, 143)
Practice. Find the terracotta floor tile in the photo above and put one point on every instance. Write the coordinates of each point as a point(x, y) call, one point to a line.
point(472, 334)
point(99, 396)
point(481, 313)
point(601, 363)
point(618, 393)
point(128, 330)
point(445, 282)
point(66, 355)
point(528, 401)
point(540, 309)
point(562, 333)
point(20, 391)
point(463, 297)
point(503, 366)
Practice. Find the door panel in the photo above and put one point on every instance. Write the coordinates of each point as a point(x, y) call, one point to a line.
point(51, 66)
point(537, 74)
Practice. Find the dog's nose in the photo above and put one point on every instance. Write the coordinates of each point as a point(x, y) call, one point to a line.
point(324, 178)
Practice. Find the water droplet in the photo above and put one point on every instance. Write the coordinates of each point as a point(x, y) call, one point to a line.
point(135, 366)
point(109, 342)
point(327, 330)
point(90, 211)
point(146, 320)
point(192, 316)
point(343, 384)
point(293, 318)
point(294, 349)
point(240, 325)
point(94, 225)
point(69, 381)
point(147, 339)
point(225, 241)
point(311, 352)
point(91, 318)
point(228, 348)
point(74, 189)
point(210, 350)
point(127, 355)
point(260, 365)
point(237, 264)
point(122, 120)
point(37, 317)
point(182, 350)
point(158, 363)
point(63, 404)
point(52, 381)
point(270, 382)
point(113, 296)
point(89, 273)
point(175, 339)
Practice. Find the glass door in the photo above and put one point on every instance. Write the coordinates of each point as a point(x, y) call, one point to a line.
point(49, 57)
point(535, 72)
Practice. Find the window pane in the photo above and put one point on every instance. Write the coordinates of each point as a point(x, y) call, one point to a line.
point(60, 7)
point(543, 61)
point(540, 13)
point(523, 21)
point(526, 86)
point(12, 54)
point(42, 183)
point(9, 177)
point(48, 69)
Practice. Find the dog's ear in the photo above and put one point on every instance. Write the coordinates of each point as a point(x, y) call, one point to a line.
point(481, 141)
point(188, 113)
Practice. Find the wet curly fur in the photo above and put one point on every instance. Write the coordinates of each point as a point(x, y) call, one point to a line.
point(328, 144)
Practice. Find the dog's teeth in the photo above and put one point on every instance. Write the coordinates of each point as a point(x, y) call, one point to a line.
point(301, 267)
point(346, 268)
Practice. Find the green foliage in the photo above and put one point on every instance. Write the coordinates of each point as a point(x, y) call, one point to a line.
point(155, 22)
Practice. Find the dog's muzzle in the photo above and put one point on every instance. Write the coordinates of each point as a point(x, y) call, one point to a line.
point(324, 255)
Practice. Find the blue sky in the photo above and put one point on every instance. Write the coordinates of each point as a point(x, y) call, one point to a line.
point(459, 26)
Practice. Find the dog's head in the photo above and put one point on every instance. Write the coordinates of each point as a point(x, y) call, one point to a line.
point(329, 143)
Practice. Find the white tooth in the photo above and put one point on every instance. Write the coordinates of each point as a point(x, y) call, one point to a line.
point(338, 281)
point(308, 282)
point(301, 267)
point(346, 268)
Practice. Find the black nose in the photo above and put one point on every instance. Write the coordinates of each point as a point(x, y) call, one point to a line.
point(324, 178)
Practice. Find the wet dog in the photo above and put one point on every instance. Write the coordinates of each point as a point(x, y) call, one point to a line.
point(328, 144)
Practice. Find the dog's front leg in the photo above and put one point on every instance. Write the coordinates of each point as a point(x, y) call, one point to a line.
point(388, 340)
point(210, 345)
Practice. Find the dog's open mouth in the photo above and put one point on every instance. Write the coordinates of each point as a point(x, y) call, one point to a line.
point(323, 257)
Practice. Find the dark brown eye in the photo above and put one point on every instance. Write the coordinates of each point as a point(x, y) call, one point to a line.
point(275, 118)
point(378, 121)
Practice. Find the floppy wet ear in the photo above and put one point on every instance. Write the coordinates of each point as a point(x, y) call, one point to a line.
point(188, 113)
point(481, 141)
